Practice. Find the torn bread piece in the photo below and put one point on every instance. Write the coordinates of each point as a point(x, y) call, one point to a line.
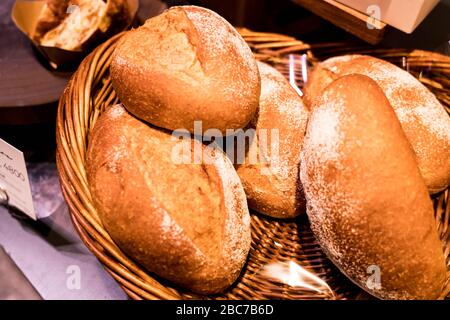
point(70, 25)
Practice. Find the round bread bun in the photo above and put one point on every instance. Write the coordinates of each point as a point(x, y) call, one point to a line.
point(423, 118)
point(188, 223)
point(187, 64)
point(367, 203)
point(271, 181)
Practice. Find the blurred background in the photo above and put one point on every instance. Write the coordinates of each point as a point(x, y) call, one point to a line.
point(294, 17)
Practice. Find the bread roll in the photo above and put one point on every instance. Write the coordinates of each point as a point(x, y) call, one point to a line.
point(367, 203)
point(272, 183)
point(423, 118)
point(187, 64)
point(188, 223)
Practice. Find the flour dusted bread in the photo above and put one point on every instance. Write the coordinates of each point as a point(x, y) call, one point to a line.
point(187, 64)
point(188, 223)
point(366, 200)
point(423, 118)
point(270, 172)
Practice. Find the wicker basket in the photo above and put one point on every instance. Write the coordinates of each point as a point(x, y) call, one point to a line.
point(90, 92)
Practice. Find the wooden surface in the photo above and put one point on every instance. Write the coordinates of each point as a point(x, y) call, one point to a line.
point(346, 18)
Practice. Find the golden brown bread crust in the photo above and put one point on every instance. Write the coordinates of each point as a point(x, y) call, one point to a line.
point(188, 223)
point(423, 118)
point(366, 201)
point(272, 184)
point(184, 65)
point(318, 80)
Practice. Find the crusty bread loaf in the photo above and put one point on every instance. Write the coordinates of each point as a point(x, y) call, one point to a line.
point(367, 203)
point(423, 118)
point(187, 64)
point(272, 183)
point(188, 223)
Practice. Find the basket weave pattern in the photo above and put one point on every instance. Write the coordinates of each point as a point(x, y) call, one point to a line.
point(90, 92)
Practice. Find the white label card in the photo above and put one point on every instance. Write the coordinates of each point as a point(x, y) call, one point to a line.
point(14, 179)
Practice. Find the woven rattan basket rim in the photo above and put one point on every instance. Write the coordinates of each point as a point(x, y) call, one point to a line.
point(89, 92)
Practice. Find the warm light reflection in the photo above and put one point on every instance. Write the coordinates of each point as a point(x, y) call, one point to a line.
point(292, 274)
point(292, 78)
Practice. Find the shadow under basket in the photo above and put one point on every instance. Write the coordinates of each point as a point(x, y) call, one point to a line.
point(287, 243)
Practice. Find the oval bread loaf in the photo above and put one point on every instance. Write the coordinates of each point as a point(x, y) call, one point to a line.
point(187, 64)
point(270, 173)
point(367, 203)
point(188, 223)
point(423, 118)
